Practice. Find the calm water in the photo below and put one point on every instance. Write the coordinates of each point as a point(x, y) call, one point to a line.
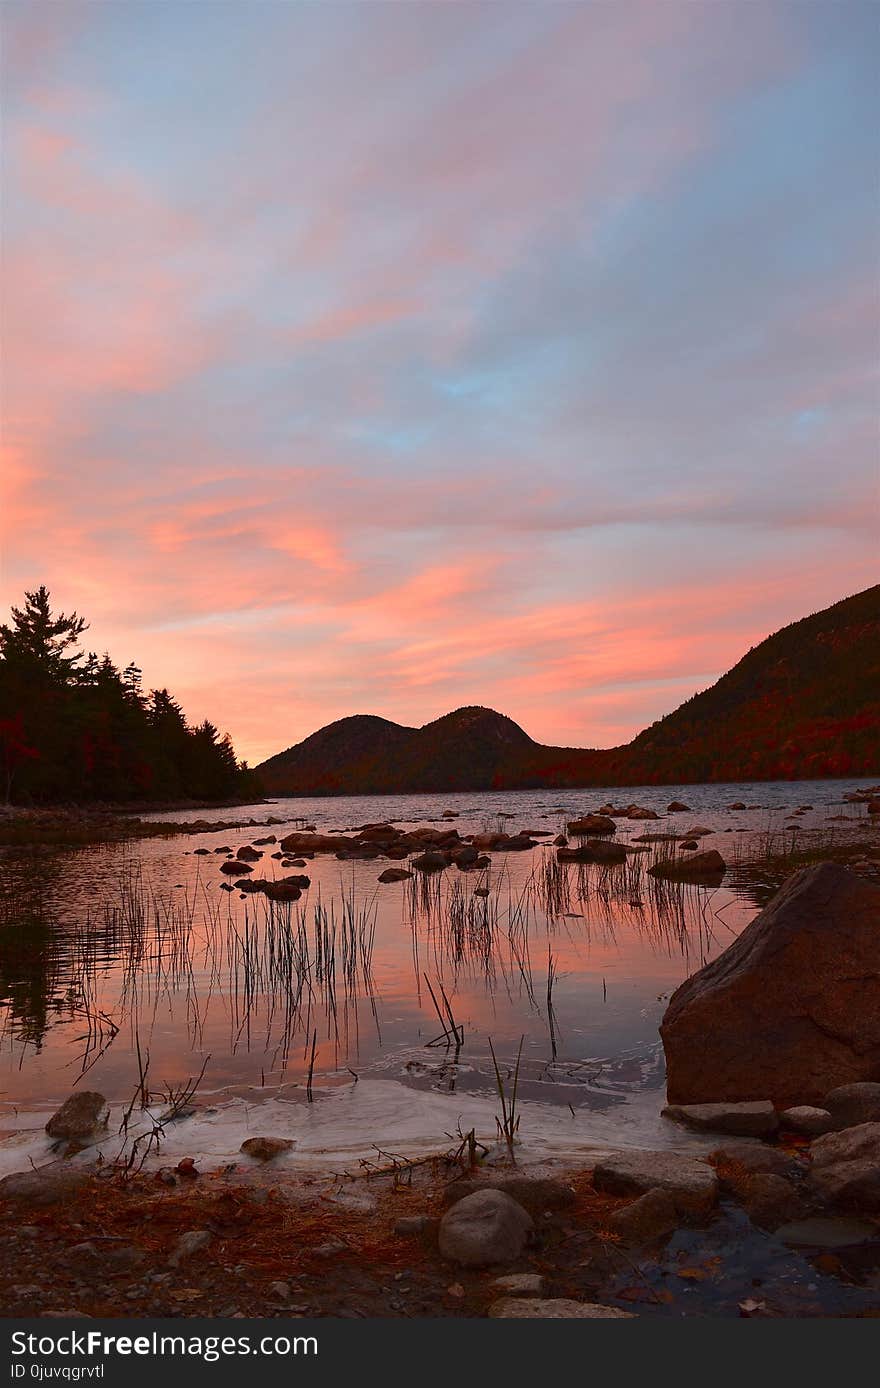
point(113, 949)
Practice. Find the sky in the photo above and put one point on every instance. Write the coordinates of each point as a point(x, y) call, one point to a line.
point(390, 357)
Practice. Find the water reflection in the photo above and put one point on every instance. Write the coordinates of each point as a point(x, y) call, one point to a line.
point(117, 958)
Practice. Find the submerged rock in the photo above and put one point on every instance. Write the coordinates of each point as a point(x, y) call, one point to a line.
point(484, 1228)
point(79, 1116)
point(828, 1231)
point(792, 1007)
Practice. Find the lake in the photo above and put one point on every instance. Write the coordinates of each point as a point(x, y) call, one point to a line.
point(119, 960)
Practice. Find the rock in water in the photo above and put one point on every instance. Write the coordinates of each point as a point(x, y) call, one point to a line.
point(647, 1219)
point(484, 1228)
point(708, 867)
point(791, 1009)
point(266, 1148)
point(592, 824)
point(79, 1116)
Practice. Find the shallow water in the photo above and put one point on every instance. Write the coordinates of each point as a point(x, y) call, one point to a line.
point(577, 962)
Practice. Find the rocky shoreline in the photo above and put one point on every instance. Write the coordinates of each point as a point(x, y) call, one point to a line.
point(754, 1228)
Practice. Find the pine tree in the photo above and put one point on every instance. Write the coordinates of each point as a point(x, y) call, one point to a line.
point(39, 643)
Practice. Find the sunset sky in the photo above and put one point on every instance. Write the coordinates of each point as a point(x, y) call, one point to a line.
point(391, 357)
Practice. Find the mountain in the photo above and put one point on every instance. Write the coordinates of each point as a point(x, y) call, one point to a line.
point(804, 703)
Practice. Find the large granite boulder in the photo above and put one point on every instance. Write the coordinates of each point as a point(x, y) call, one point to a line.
point(791, 1009)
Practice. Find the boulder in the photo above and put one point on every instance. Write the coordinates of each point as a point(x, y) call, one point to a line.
point(432, 861)
point(45, 1185)
point(851, 1104)
point(535, 1193)
point(703, 867)
point(266, 1148)
point(484, 1228)
point(770, 1200)
point(691, 1184)
point(80, 1116)
point(807, 1121)
point(304, 842)
point(749, 1157)
point(740, 1120)
point(235, 866)
point(285, 890)
point(592, 824)
point(248, 855)
point(676, 807)
point(466, 856)
point(394, 875)
point(484, 841)
point(639, 812)
point(593, 851)
point(647, 1219)
point(792, 1007)
point(521, 1308)
point(845, 1169)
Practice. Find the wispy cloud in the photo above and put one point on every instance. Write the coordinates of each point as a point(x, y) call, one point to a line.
point(394, 359)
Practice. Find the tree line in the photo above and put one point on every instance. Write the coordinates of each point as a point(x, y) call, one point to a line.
point(74, 727)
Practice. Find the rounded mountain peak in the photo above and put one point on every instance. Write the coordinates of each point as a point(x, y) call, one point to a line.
point(475, 721)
